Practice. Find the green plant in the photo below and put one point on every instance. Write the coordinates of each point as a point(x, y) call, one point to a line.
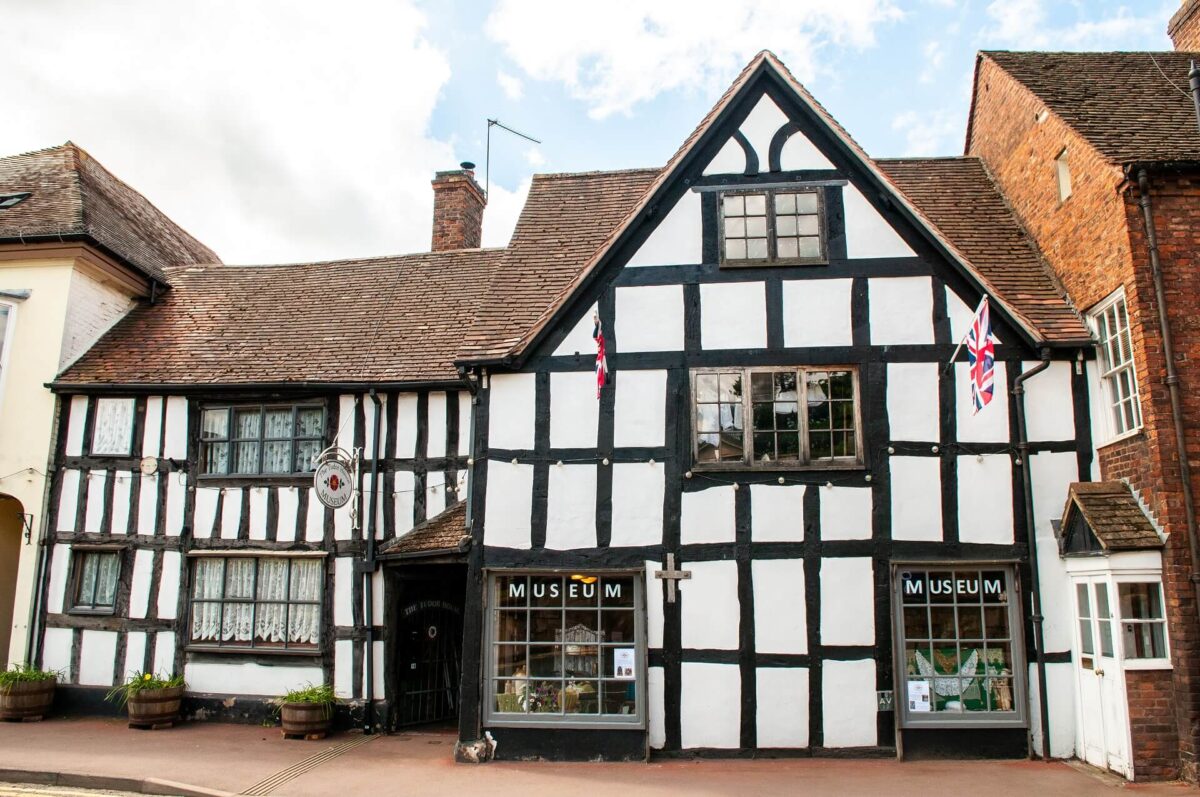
point(25, 673)
point(312, 694)
point(142, 682)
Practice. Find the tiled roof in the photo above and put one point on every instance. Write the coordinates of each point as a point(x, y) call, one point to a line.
point(1124, 104)
point(960, 198)
point(393, 319)
point(72, 196)
point(442, 533)
point(1113, 513)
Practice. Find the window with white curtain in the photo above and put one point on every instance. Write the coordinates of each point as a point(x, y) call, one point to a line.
point(95, 579)
point(261, 440)
point(112, 433)
point(257, 602)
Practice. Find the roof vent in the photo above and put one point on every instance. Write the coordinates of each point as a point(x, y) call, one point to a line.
point(8, 200)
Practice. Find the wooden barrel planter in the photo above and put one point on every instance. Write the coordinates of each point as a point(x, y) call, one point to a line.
point(26, 701)
point(155, 708)
point(305, 720)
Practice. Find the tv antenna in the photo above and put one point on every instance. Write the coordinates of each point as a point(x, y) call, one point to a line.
point(487, 163)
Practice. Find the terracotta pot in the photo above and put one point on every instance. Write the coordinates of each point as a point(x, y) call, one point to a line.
point(310, 720)
point(153, 708)
point(27, 700)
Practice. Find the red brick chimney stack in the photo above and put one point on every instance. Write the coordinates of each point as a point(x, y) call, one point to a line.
point(1184, 27)
point(458, 204)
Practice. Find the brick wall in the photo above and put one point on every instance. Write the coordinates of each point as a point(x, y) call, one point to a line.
point(1151, 724)
point(458, 203)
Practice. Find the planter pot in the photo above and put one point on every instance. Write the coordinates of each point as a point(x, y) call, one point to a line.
point(155, 708)
point(305, 720)
point(27, 700)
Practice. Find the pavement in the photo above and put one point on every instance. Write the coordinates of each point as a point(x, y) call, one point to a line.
point(210, 759)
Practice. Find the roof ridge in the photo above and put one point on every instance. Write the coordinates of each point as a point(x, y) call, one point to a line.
point(346, 260)
point(596, 172)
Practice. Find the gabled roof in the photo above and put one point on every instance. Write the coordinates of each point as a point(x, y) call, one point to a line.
point(72, 197)
point(1133, 107)
point(444, 533)
point(1112, 514)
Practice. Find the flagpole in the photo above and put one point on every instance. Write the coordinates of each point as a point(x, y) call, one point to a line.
point(964, 337)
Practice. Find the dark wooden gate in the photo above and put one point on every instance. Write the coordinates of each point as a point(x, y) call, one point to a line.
point(429, 651)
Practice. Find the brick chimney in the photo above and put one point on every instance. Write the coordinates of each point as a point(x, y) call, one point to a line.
point(1184, 27)
point(458, 203)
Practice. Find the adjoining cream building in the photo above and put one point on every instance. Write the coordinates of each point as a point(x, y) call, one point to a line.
point(78, 250)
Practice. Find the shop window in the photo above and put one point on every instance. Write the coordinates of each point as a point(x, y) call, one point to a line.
point(772, 227)
point(1143, 624)
point(261, 440)
point(259, 602)
point(960, 642)
point(112, 432)
point(566, 648)
point(1110, 321)
point(94, 581)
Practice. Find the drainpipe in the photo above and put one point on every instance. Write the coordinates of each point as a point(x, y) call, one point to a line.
point(1172, 380)
point(368, 571)
point(1018, 391)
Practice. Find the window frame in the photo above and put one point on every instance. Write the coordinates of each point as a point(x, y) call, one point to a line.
point(75, 582)
point(230, 440)
point(636, 721)
point(1108, 374)
point(1132, 663)
point(128, 449)
point(1062, 176)
point(772, 260)
point(748, 461)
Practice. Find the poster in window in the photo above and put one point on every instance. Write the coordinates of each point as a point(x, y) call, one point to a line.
point(623, 664)
point(918, 696)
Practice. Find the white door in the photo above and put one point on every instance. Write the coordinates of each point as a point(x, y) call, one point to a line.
point(1103, 727)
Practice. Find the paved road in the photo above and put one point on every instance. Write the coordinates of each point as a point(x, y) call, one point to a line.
point(33, 790)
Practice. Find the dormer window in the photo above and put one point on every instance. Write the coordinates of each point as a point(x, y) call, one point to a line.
point(776, 226)
point(1062, 172)
point(8, 200)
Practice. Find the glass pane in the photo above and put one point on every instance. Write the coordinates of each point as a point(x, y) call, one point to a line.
point(735, 227)
point(106, 579)
point(617, 626)
point(1086, 642)
point(209, 572)
point(545, 626)
point(583, 590)
point(806, 202)
point(756, 249)
point(510, 661)
point(994, 587)
point(810, 247)
point(735, 249)
point(216, 458)
point(735, 206)
point(1000, 694)
point(513, 590)
point(545, 697)
point(89, 565)
point(731, 387)
point(239, 577)
point(616, 592)
point(277, 423)
point(545, 591)
point(807, 225)
point(512, 696)
point(913, 587)
point(970, 624)
point(235, 622)
point(762, 387)
point(785, 203)
point(306, 454)
point(270, 623)
point(582, 627)
point(580, 697)
point(1140, 601)
point(512, 626)
point(918, 658)
point(277, 456)
point(995, 622)
point(619, 697)
point(214, 424)
point(916, 622)
point(785, 226)
point(246, 458)
point(787, 248)
point(941, 620)
point(309, 422)
point(998, 659)
point(272, 579)
point(306, 580)
point(756, 205)
point(756, 227)
point(545, 660)
point(1102, 609)
point(1143, 640)
point(706, 387)
point(246, 423)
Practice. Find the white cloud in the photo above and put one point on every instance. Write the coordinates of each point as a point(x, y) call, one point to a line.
point(613, 55)
point(510, 85)
point(273, 131)
point(934, 56)
point(534, 157)
point(503, 208)
point(929, 133)
point(1024, 24)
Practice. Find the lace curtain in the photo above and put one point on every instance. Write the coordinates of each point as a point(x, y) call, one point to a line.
point(258, 593)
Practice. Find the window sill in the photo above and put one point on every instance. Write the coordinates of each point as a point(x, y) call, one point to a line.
point(962, 721)
point(294, 653)
point(1147, 664)
point(1132, 433)
point(772, 263)
point(772, 467)
point(624, 723)
point(92, 612)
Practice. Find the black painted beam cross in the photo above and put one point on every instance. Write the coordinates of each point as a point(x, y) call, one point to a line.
point(671, 575)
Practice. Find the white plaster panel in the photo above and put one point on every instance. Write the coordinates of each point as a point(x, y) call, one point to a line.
point(779, 606)
point(867, 233)
point(654, 606)
point(800, 153)
point(733, 315)
point(122, 496)
point(649, 318)
point(437, 425)
point(816, 312)
point(847, 601)
point(846, 513)
point(678, 238)
point(912, 402)
point(289, 502)
point(901, 310)
point(56, 649)
point(248, 678)
point(314, 523)
point(346, 421)
point(1061, 699)
point(990, 425)
point(710, 612)
point(707, 516)
point(343, 668)
point(176, 497)
point(760, 126)
point(435, 495)
point(135, 653)
point(1052, 473)
point(342, 527)
point(574, 409)
point(164, 655)
point(730, 159)
point(637, 504)
point(571, 507)
point(850, 686)
point(168, 585)
point(68, 500)
point(405, 504)
point(656, 703)
point(710, 706)
point(377, 598)
point(94, 512)
point(916, 498)
point(151, 437)
point(960, 316)
point(508, 505)
point(75, 424)
point(60, 561)
point(985, 499)
point(344, 585)
point(97, 652)
point(777, 513)
point(406, 426)
point(511, 408)
point(640, 408)
point(231, 513)
point(465, 412)
point(782, 717)
point(175, 437)
point(148, 505)
point(139, 585)
point(579, 340)
point(258, 513)
point(1049, 405)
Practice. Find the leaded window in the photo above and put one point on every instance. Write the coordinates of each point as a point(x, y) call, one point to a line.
point(789, 417)
point(96, 576)
point(772, 226)
point(257, 602)
point(1118, 370)
point(261, 440)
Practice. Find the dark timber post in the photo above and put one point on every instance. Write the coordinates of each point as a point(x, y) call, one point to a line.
point(368, 571)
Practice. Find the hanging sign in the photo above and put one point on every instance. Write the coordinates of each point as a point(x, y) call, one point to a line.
point(334, 483)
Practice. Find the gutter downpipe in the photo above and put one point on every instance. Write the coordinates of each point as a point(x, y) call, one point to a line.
point(1172, 380)
point(1018, 391)
point(368, 571)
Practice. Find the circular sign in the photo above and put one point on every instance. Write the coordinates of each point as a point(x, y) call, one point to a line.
point(148, 465)
point(333, 483)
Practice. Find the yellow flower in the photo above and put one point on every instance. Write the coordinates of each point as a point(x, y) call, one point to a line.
point(146, 677)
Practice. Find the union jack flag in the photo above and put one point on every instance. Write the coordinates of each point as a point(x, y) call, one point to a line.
point(981, 354)
point(601, 358)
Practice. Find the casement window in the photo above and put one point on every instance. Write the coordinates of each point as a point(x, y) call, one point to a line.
point(112, 430)
point(773, 226)
point(566, 648)
point(96, 574)
point(959, 644)
point(788, 417)
point(261, 439)
point(1118, 372)
point(257, 601)
point(1143, 624)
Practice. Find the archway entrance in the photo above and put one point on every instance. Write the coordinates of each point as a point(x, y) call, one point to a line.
point(11, 528)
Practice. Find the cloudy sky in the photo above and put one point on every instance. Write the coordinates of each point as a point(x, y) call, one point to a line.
point(298, 130)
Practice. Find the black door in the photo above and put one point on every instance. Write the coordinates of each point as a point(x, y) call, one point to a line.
point(429, 650)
